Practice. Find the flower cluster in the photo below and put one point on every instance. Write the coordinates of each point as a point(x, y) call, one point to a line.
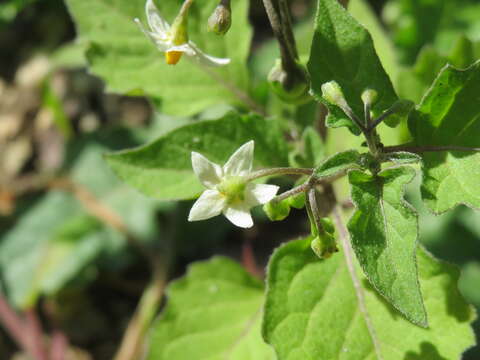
point(173, 40)
point(229, 191)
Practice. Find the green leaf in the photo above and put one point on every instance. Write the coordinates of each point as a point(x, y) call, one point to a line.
point(310, 150)
point(449, 115)
point(163, 169)
point(342, 50)
point(338, 163)
point(365, 15)
point(384, 232)
point(403, 157)
point(312, 312)
point(130, 64)
point(213, 313)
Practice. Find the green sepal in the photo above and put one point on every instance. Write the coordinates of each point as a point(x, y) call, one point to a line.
point(277, 210)
point(324, 244)
point(297, 201)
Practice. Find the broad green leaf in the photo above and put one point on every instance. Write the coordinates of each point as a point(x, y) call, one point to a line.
point(411, 83)
point(449, 115)
point(312, 312)
point(163, 169)
point(365, 15)
point(384, 232)
point(342, 50)
point(415, 23)
point(129, 63)
point(213, 313)
point(56, 240)
point(338, 163)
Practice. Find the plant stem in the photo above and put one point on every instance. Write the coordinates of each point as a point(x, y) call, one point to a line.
point(288, 28)
point(131, 347)
point(296, 190)
point(348, 253)
point(312, 203)
point(14, 325)
point(279, 171)
point(240, 94)
point(382, 117)
point(35, 334)
point(371, 138)
point(427, 148)
point(279, 27)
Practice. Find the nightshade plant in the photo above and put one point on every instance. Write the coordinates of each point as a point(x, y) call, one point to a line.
point(358, 290)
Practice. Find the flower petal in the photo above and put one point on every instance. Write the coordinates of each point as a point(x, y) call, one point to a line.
point(209, 204)
point(185, 48)
point(239, 215)
point(205, 59)
point(162, 46)
point(258, 194)
point(155, 20)
point(208, 173)
point(240, 163)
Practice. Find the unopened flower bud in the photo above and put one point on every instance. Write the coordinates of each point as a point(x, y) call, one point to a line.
point(324, 245)
point(369, 97)
point(332, 92)
point(277, 210)
point(292, 87)
point(221, 19)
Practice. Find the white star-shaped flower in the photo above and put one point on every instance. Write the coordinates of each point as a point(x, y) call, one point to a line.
point(228, 190)
point(173, 41)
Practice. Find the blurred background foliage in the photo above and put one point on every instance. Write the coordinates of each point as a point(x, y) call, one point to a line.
point(67, 223)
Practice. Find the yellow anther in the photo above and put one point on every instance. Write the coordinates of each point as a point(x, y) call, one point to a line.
point(172, 57)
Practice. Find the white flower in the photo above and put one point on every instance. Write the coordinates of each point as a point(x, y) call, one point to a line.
point(228, 190)
point(173, 41)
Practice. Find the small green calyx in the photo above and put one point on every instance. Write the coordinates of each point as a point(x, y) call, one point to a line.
point(277, 210)
point(233, 188)
point(221, 19)
point(293, 86)
point(179, 29)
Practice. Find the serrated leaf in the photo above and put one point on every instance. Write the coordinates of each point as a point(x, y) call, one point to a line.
point(449, 115)
point(163, 169)
point(312, 312)
point(213, 313)
point(129, 63)
point(342, 50)
point(338, 163)
point(384, 232)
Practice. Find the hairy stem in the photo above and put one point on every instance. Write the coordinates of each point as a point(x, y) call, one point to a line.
point(296, 190)
point(427, 148)
point(279, 171)
point(348, 253)
point(315, 213)
point(279, 25)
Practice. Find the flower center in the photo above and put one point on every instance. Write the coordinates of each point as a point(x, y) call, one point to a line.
point(172, 57)
point(233, 188)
